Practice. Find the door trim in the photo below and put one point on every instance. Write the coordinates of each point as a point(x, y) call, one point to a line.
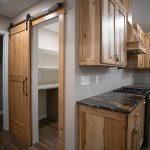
point(61, 99)
point(5, 35)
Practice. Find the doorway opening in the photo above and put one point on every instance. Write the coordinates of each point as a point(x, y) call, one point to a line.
point(1, 83)
point(45, 83)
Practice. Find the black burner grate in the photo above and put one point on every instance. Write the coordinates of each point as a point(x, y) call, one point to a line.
point(133, 91)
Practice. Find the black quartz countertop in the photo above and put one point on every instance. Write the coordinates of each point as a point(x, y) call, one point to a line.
point(113, 101)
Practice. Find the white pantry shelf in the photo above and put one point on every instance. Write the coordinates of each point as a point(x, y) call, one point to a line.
point(48, 86)
point(47, 51)
point(48, 68)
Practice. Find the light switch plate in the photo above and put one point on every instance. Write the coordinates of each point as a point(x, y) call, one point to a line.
point(85, 80)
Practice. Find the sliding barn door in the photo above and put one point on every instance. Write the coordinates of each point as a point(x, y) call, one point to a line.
point(19, 83)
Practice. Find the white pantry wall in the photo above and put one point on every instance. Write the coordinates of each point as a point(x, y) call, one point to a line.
point(48, 40)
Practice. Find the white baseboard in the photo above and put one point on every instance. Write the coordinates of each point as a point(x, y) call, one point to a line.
point(1, 112)
point(42, 117)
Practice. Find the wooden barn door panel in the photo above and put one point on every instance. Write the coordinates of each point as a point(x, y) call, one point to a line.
point(19, 83)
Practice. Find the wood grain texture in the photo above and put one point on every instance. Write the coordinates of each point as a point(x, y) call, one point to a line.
point(19, 83)
point(141, 61)
point(147, 55)
point(134, 41)
point(97, 32)
point(61, 89)
point(108, 52)
point(135, 128)
point(101, 129)
point(89, 32)
point(48, 139)
point(121, 36)
point(47, 17)
point(95, 129)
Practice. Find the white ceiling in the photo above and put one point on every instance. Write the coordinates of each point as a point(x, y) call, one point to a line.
point(11, 8)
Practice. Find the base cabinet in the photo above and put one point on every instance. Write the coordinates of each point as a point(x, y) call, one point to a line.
point(100, 129)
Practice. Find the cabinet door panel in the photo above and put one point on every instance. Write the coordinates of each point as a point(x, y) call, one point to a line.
point(121, 37)
point(92, 127)
point(89, 32)
point(96, 132)
point(118, 131)
point(147, 55)
point(141, 61)
point(108, 32)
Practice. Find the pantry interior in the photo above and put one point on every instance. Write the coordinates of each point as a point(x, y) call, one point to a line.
point(45, 69)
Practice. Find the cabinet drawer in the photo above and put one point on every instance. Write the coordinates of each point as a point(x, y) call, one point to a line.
point(135, 115)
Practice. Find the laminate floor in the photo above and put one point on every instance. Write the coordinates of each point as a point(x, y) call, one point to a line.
point(48, 138)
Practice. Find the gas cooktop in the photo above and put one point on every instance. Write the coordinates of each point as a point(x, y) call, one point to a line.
point(134, 89)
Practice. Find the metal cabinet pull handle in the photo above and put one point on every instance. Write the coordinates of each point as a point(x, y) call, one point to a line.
point(25, 87)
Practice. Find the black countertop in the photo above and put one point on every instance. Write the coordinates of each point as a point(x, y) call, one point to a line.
point(118, 102)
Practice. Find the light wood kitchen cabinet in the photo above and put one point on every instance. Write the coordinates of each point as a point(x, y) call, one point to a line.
point(135, 61)
point(135, 128)
point(108, 50)
point(102, 32)
point(100, 129)
point(140, 33)
point(129, 10)
point(141, 61)
point(147, 55)
point(121, 37)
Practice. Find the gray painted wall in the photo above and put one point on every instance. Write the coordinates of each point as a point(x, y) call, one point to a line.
point(142, 76)
point(1, 54)
point(109, 79)
point(141, 13)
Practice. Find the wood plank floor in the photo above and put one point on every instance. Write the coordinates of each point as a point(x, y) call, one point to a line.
point(48, 139)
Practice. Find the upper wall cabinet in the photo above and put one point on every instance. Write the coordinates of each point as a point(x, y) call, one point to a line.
point(121, 37)
point(102, 32)
point(129, 10)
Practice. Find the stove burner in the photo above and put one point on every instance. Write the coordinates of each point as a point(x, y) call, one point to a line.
point(133, 91)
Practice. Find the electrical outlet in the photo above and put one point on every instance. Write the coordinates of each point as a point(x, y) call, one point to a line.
point(97, 79)
point(85, 80)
